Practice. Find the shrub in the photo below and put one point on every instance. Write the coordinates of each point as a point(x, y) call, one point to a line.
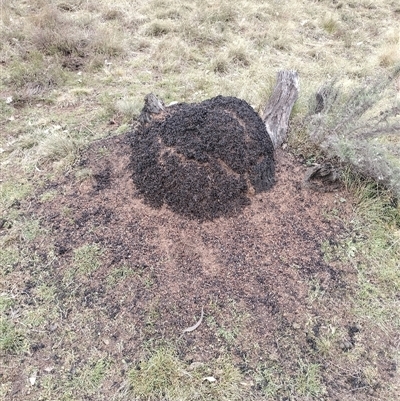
point(360, 127)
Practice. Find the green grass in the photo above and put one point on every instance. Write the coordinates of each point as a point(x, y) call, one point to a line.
point(9, 257)
point(119, 274)
point(275, 383)
point(378, 267)
point(93, 374)
point(163, 374)
point(87, 259)
point(11, 339)
point(308, 380)
point(13, 191)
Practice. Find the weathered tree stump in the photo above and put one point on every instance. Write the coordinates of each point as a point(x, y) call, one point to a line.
point(152, 105)
point(277, 111)
point(322, 177)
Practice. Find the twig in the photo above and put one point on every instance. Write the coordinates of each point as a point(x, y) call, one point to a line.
point(195, 326)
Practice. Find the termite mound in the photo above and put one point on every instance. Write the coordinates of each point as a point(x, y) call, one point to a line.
point(203, 160)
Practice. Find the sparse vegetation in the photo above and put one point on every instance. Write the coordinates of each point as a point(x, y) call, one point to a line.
point(275, 383)
point(163, 374)
point(11, 339)
point(75, 71)
point(87, 259)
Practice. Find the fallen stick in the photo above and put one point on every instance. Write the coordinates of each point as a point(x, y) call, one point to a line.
point(195, 326)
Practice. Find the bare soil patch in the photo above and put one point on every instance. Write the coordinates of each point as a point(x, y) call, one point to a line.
point(253, 272)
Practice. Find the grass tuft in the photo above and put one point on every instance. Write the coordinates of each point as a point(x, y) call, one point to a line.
point(93, 375)
point(128, 107)
point(164, 375)
point(304, 382)
point(308, 380)
point(221, 64)
point(158, 28)
point(34, 75)
point(11, 339)
point(239, 55)
point(87, 259)
point(12, 192)
point(390, 55)
point(330, 24)
point(113, 14)
point(58, 145)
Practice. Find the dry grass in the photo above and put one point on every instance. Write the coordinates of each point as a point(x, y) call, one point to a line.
point(73, 71)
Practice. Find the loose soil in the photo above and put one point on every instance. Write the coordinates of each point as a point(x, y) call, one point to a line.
point(253, 272)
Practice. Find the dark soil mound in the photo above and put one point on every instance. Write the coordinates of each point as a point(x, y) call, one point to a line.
point(203, 160)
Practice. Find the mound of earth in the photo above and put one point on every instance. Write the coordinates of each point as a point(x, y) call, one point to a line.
point(203, 160)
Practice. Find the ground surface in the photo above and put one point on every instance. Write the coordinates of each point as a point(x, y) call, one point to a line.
point(270, 298)
point(252, 273)
point(260, 257)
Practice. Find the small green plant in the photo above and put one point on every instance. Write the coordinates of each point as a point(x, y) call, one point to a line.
point(327, 339)
point(93, 374)
point(228, 335)
point(119, 274)
point(330, 24)
point(48, 196)
point(327, 250)
point(161, 375)
point(152, 316)
point(268, 378)
point(9, 257)
point(12, 192)
point(30, 230)
point(315, 292)
point(87, 259)
point(308, 380)
point(6, 302)
point(46, 293)
point(11, 339)
point(83, 173)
